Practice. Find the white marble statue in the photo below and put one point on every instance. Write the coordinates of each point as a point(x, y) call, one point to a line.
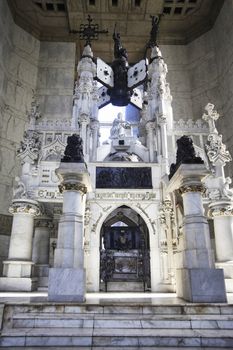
point(226, 191)
point(119, 127)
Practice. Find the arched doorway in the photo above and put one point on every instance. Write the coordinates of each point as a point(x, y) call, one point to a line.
point(124, 252)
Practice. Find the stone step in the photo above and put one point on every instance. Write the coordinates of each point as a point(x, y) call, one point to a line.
point(85, 321)
point(127, 309)
point(116, 337)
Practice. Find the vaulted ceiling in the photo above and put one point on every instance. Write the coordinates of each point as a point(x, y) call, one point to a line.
point(54, 20)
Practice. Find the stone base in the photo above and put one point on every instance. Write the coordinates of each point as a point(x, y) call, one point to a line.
point(228, 274)
point(18, 268)
point(123, 287)
point(21, 284)
point(66, 284)
point(201, 285)
point(42, 273)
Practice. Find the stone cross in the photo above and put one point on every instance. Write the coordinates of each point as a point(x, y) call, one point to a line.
point(89, 31)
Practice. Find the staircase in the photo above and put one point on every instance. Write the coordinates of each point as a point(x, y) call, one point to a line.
point(121, 326)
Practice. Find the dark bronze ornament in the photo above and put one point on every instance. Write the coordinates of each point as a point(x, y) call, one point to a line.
point(74, 150)
point(89, 31)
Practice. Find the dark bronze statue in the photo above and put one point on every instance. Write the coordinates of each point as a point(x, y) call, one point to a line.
point(74, 150)
point(185, 154)
point(120, 93)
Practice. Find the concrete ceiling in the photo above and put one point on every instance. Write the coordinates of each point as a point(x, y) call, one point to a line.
point(53, 20)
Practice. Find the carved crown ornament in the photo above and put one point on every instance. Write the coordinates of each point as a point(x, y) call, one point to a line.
point(29, 149)
point(25, 207)
point(216, 150)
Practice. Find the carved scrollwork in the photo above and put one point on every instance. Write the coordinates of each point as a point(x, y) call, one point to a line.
point(72, 187)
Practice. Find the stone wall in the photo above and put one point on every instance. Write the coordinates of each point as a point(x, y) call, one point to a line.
point(18, 75)
point(210, 64)
point(176, 58)
point(56, 76)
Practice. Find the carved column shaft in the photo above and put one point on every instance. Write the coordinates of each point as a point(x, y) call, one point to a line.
point(223, 229)
point(22, 229)
point(40, 254)
point(67, 280)
point(150, 129)
point(196, 276)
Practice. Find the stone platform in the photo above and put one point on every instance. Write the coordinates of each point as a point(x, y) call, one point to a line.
point(116, 325)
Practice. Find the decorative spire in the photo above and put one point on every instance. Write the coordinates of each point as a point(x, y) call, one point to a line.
point(89, 31)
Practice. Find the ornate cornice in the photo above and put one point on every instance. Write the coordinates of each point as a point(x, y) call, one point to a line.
point(72, 187)
point(25, 207)
point(192, 188)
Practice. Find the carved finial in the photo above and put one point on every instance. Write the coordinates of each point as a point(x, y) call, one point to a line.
point(211, 116)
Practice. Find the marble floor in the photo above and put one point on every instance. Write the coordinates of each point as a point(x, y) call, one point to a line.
point(102, 298)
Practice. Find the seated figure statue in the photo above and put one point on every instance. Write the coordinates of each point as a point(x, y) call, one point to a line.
point(119, 127)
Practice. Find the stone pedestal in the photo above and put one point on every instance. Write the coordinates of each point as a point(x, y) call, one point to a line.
point(67, 280)
point(18, 269)
point(40, 251)
point(222, 213)
point(196, 277)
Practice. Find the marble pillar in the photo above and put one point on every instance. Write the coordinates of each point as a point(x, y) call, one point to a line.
point(40, 251)
point(150, 130)
point(196, 277)
point(222, 213)
point(67, 280)
point(18, 268)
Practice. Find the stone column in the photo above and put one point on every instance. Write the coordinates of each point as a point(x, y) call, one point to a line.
point(67, 280)
point(162, 121)
point(95, 131)
point(196, 277)
point(84, 122)
point(222, 214)
point(150, 127)
point(18, 269)
point(40, 252)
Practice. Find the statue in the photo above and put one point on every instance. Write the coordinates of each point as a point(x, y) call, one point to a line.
point(74, 150)
point(185, 154)
point(20, 190)
point(226, 191)
point(120, 93)
point(118, 127)
point(153, 33)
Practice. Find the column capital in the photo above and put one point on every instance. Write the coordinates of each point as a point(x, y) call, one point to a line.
point(219, 208)
point(44, 221)
point(68, 186)
point(84, 119)
point(150, 126)
point(30, 207)
point(192, 188)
